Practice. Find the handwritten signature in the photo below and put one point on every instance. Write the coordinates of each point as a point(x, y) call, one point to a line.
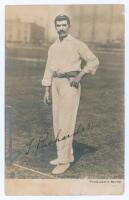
point(45, 141)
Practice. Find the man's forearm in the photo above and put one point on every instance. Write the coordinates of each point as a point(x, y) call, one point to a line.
point(82, 74)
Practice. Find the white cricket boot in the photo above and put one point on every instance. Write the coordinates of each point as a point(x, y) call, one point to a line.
point(59, 169)
point(54, 162)
point(57, 162)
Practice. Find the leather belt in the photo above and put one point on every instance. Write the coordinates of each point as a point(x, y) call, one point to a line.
point(66, 74)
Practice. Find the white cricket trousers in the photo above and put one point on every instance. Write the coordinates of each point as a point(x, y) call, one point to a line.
point(65, 102)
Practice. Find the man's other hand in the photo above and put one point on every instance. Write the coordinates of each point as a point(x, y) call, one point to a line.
point(75, 82)
point(46, 98)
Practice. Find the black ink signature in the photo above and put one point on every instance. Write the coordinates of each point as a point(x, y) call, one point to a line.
point(34, 144)
point(80, 129)
point(44, 140)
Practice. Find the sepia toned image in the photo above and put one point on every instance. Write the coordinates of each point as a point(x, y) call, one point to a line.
point(64, 99)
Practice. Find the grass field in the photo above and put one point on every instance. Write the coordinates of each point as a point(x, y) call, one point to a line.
point(99, 149)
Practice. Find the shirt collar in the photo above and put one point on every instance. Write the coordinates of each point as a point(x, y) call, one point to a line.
point(69, 37)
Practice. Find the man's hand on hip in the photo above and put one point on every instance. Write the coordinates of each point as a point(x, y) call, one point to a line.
point(75, 82)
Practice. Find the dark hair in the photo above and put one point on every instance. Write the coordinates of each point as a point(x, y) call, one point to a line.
point(62, 17)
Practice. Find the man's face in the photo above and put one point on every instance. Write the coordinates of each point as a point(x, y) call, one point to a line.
point(62, 28)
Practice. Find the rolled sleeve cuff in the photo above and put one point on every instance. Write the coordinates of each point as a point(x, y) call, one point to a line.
point(91, 67)
point(45, 82)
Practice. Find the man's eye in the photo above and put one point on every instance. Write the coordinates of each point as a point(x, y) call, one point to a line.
point(58, 25)
point(64, 25)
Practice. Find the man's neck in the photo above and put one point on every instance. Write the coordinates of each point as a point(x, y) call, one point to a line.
point(62, 38)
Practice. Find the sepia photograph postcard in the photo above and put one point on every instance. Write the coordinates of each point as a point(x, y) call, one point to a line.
point(64, 99)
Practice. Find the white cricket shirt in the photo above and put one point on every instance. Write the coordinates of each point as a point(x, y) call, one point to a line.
point(65, 56)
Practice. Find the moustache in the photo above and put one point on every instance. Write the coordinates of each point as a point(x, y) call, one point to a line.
point(61, 31)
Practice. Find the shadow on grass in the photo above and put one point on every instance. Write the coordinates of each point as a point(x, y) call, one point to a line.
point(39, 160)
point(45, 154)
point(81, 149)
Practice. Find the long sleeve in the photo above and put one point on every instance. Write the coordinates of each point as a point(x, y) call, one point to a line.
point(89, 57)
point(47, 78)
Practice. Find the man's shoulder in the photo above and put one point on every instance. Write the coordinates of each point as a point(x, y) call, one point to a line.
point(78, 41)
point(51, 46)
point(72, 38)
